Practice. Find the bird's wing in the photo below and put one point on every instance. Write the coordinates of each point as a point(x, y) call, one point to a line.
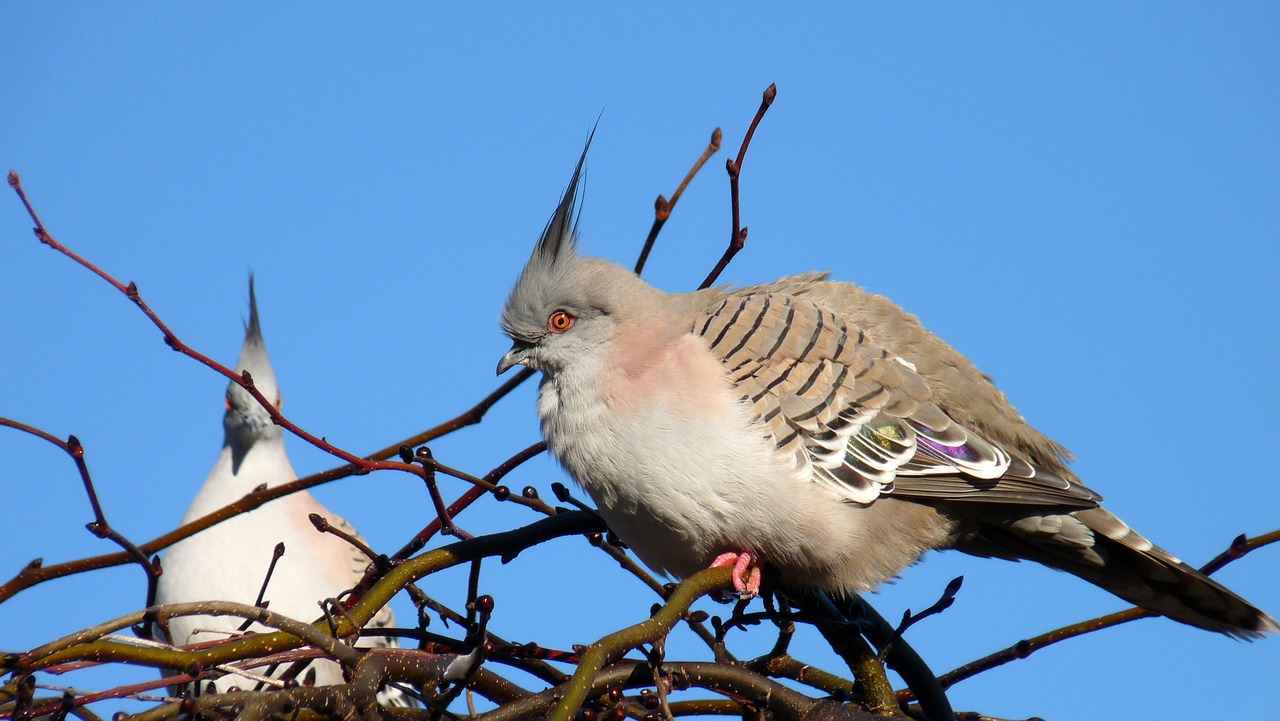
point(862, 418)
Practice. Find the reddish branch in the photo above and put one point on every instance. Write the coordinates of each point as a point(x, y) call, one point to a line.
point(35, 572)
point(662, 207)
point(243, 379)
point(99, 526)
point(1240, 546)
point(470, 417)
point(738, 238)
point(479, 487)
point(42, 709)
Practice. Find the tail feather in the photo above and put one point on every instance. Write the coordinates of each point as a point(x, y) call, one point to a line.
point(1100, 548)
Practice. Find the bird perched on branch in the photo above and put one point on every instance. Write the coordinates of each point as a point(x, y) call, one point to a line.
point(810, 430)
point(231, 560)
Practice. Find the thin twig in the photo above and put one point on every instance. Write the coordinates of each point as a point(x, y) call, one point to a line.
point(419, 541)
point(526, 657)
point(87, 644)
point(905, 661)
point(471, 661)
point(910, 619)
point(472, 494)
point(243, 378)
point(469, 417)
point(322, 525)
point(99, 526)
point(35, 572)
point(662, 207)
point(1240, 546)
point(447, 526)
point(738, 238)
point(276, 554)
point(502, 493)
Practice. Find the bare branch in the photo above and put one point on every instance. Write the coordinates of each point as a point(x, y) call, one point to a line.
point(470, 417)
point(662, 207)
point(738, 238)
point(99, 526)
point(736, 682)
point(243, 378)
point(612, 647)
point(1240, 546)
point(910, 619)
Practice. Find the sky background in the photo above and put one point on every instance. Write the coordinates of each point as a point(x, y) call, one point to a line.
point(1084, 199)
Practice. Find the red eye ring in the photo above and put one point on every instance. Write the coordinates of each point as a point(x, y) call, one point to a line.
point(559, 322)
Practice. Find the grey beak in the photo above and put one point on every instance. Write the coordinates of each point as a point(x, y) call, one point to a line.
point(518, 355)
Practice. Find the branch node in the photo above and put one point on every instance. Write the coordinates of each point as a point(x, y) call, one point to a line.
point(1239, 546)
point(662, 208)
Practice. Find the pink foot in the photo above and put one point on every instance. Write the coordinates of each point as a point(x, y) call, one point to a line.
point(746, 573)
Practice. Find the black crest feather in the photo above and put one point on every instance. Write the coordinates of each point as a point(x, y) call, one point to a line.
point(561, 233)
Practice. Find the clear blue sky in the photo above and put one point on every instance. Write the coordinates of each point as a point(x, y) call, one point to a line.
point(1083, 199)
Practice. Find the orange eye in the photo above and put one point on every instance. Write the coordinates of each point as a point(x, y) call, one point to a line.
point(559, 322)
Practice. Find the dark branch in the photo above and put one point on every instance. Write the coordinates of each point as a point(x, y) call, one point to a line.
point(738, 238)
point(662, 207)
point(99, 527)
point(1240, 546)
point(470, 417)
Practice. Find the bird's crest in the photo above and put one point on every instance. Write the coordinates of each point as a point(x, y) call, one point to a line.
point(246, 422)
point(556, 246)
point(560, 237)
point(252, 330)
point(253, 354)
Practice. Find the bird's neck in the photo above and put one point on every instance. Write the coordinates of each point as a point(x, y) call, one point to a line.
point(235, 475)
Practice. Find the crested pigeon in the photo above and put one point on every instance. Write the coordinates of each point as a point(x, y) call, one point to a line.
point(230, 560)
point(811, 429)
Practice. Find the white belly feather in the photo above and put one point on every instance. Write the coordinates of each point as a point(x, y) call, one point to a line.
point(686, 475)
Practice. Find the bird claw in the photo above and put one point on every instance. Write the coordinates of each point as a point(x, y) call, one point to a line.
point(746, 573)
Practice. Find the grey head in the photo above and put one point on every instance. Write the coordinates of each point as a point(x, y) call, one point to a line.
point(565, 307)
point(246, 422)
